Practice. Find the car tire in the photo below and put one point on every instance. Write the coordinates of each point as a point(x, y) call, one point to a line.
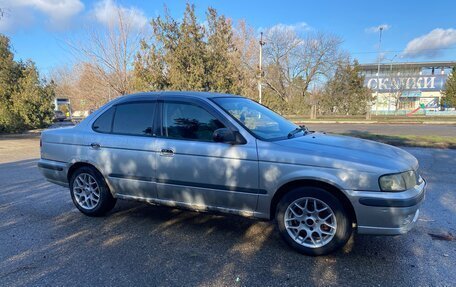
point(90, 193)
point(313, 231)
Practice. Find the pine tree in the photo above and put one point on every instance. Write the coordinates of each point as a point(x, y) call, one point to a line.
point(149, 69)
point(32, 100)
point(25, 100)
point(9, 75)
point(345, 92)
point(450, 90)
point(188, 55)
point(187, 68)
point(222, 58)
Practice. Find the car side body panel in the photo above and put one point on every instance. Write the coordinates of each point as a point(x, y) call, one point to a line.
point(240, 179)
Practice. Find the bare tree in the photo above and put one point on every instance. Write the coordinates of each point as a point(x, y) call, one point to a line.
point(110, 52)
point(398, 85)
point(247, 48)
point(294, 64)
point(82, 85)
point(318, 57)
point(282, 64)
point(65, 80)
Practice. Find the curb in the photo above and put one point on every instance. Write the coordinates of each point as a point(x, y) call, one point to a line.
point(29, 134)
point(378, 122)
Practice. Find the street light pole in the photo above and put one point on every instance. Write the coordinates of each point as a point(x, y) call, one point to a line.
point(391, 83)
point(369, 108)
point(260, 68)
point(378, 68)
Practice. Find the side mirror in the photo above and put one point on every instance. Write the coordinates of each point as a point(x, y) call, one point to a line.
point(224, 135)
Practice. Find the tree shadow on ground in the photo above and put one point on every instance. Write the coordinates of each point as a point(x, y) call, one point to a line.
point(45, 240)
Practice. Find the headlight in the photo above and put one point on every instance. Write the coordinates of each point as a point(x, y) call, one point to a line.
point(398, 182)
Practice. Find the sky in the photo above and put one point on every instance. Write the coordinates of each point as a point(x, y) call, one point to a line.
point(412, 30)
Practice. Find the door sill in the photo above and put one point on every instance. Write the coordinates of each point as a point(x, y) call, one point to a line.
point(189, 206)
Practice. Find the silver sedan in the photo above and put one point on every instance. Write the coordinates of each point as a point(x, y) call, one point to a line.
point(225, 153)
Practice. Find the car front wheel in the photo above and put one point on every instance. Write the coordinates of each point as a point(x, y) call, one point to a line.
point(90, 193)
point(313, 221)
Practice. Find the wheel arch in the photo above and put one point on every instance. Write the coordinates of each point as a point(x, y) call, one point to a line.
point(107, 199)
point(337, 192)
point(78, 164)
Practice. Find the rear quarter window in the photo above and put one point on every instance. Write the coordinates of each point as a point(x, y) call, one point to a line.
point(103, 123)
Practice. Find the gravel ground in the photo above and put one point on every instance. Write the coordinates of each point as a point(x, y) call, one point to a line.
point(44, 240)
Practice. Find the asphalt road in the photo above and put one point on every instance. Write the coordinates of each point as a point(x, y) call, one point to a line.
point(44, 240)
point(388, 129)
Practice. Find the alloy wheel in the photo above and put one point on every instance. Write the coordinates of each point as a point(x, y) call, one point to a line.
point(310, 222)
point(86, 191)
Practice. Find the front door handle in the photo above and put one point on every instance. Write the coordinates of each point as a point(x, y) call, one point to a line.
point(166, 152)
point(95, 145)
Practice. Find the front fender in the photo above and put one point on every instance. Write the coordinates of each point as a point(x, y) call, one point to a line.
point(275, 175)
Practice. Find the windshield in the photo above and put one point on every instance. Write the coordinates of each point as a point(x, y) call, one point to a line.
point(259, 120)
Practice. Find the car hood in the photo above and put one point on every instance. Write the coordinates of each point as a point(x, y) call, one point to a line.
point(338, 151)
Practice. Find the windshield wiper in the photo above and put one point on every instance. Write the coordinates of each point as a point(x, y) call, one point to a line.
point(297, 130)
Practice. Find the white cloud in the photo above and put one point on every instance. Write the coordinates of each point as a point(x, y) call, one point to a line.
point(58, 13)
point(430, 45)
point(375, 29)
point(107, 13)
point(299, 27)
point(10, 21)
point(57, 10)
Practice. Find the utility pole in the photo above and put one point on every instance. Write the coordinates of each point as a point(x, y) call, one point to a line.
point(260, 68)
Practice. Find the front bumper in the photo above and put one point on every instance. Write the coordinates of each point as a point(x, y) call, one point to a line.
point(387, 213)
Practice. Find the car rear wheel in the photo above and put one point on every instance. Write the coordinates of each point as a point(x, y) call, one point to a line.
point(90, 193)
point(313, 221)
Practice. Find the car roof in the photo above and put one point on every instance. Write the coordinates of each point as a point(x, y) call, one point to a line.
point(183, 94)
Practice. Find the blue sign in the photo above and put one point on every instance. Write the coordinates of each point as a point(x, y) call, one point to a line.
point(411, 94)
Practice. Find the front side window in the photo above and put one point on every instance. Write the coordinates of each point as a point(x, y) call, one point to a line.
point(258, 119)
point(134, 119)
point(187, 121)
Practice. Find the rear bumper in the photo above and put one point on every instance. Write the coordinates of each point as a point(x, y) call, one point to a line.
point(54, 171)
point(387, 213)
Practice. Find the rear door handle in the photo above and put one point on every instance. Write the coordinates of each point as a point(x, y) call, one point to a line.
point(166, 152)
point(95, 145)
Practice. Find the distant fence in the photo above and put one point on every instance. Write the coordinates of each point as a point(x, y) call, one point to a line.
point(420, 112)
point(440, 113)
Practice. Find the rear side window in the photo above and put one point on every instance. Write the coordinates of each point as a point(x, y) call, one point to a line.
point(134, 119)
point(104, 122)
point(187, 121)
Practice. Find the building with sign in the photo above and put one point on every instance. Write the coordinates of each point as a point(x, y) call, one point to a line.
point(406, 86)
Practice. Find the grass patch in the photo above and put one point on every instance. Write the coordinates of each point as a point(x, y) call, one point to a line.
point(408, 140)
